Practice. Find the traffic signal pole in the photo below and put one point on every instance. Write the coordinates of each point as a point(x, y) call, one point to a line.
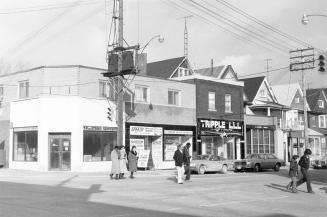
point(120, 94)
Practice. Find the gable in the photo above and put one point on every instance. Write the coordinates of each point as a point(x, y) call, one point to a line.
point(165, 68)
point(251, 86)
point(182, 70)
point(323, 99)
point(297, 101)
point(229, 74)
point(264, 93)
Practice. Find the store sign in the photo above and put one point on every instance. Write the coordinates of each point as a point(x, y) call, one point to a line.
point(20, 129)
point(178, 132)
point(145, 131)
point(99, 128)
point(220, 127)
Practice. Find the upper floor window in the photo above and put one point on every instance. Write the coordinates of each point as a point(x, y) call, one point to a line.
point(23, 89)
point(321, 104)
point(322, 121)
point(228, 103)
point(141, 93)
point(183, 72)
point(297, 100)
point(173, 97)
point(263, 93)
point(313, 121)
point(212, 101)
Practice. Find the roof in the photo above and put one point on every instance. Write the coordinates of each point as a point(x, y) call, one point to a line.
point(164, 68)
point(214, 72)
point(266, 104)
point(251, 86)
point(286, 92)
point(312, 97)
point(312, 132)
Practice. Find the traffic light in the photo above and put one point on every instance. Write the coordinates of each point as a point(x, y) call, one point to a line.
point(109, 114)
point(321, 63)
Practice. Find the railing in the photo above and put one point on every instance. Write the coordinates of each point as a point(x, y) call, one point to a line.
point(291, 125)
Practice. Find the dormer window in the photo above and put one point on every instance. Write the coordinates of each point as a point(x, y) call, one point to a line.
point(183, 72)
point(321, 104)
point(297, 100)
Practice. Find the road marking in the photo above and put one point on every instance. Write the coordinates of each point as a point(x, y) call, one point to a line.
point(241, 201)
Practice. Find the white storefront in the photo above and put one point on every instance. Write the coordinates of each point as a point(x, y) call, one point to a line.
point(61, 133)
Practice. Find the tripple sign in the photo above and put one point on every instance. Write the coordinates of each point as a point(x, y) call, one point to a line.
point(207, 125)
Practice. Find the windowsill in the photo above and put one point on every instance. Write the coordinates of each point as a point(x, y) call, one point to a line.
point(212, 110)
point(229, 112)
point(174, 105)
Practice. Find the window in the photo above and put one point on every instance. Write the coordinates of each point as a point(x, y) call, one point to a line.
point(183, 72)
point(25, 146)
point(228, 103)
point(297, 100)
point(301, 120)
point(260, 141)
point(97, 145)
point(212, 101)
point(1, 92)
point(141, 94)
point(322, 121)
point(263, 93)
point(313, 121)
point(23, 89)
point(173, 97)
point(321, 104)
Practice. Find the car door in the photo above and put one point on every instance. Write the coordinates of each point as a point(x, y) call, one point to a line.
point(263, 161)
point(213, 163)
point(272, 160)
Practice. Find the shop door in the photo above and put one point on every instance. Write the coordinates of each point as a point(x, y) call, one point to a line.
point(59, 146)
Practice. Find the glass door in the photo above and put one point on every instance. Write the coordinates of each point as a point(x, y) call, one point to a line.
point(59, 147)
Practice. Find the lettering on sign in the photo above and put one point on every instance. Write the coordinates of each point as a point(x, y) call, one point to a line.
point(221, 127)
point(99, 128)
point(145, 131)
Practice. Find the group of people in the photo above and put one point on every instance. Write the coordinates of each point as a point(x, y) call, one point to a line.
point(182, 159)
point(120, 161)
point(304, 163)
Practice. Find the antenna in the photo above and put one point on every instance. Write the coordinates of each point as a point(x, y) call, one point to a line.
point(186, 35)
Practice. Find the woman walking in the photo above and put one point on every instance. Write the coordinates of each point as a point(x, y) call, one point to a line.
point(132, 161)
point(293, 174)
point(122, 162)
point(115, 168)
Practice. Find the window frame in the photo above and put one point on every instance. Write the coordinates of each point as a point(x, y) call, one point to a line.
point(228, 107)
point(26, 86)
point(214, 101)
point(321, 104)
point(176, 100)
point(25, 145)
point(297, 100)
point(137, 87)
point(322, 117)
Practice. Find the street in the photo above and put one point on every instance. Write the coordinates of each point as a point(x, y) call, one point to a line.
point(155, 193)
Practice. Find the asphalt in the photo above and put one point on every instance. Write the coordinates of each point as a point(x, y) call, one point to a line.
point(156, 193)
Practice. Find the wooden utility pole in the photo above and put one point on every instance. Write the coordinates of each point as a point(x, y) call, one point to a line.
point(120, 95)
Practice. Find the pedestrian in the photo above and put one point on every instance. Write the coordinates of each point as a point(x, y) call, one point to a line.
point(132, 161)
point(178, 157)
point(294, 170)
point(115, 168)
point(122, 162)
point(304, 164)
point(187, 161)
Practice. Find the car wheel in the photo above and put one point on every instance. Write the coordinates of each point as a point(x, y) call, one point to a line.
point(256, 168)
point(277, 167)
point(224, 169)
point(202, 170)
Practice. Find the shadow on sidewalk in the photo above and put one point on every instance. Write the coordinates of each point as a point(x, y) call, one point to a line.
point(280, 187)
point(25, 200)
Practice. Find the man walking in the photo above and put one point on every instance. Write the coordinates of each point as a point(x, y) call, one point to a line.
point(178, 157)
point(187, 161)
point(304, 164)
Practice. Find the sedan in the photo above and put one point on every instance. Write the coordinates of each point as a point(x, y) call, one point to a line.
point(258, 162)
point(320, 164)
point(210, 163)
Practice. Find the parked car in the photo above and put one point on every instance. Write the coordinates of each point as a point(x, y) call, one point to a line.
point(258, 162)
point(210, 163)
point(320, 164)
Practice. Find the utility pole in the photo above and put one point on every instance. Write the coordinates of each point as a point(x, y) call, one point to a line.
point(302, 60)
point(120, 97)
point(267, 68)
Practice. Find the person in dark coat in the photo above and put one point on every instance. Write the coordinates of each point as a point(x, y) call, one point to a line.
point(187, 160)
point(294, 170)
point(132, 161)
point(304, 164)
point(178, 157)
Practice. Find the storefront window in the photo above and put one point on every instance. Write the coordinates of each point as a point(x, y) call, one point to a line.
point(170, 146)
point(262, 141)
point(25, 146)
point(255, 141)
point(272, 142)
point(97, 145)
point(248, 142)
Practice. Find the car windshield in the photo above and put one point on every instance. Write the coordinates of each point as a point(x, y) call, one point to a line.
point(202, 157)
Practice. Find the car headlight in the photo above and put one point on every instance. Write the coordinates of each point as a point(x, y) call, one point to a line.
point(248, 163)
point(192, 164)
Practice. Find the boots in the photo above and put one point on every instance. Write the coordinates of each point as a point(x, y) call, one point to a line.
point(117, 176)
point(111, 176)
point(131, 176)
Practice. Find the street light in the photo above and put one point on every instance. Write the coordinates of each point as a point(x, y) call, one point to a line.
point(161, 39)
point(305, 17)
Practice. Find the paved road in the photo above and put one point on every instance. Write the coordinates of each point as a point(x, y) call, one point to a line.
point(65, 194)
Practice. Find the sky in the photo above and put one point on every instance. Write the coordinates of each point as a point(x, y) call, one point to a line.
point(52, 32)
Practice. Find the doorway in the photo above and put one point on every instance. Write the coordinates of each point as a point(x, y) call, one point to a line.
point(59, 151)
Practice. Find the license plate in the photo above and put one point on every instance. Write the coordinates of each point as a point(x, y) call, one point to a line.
point(239, 167)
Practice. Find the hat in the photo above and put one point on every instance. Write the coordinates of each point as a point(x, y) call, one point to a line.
point(307, 151)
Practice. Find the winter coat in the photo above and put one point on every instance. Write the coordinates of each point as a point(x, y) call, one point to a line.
point(178, 157)
point(304, 162)
point(186, 156)
point(123, 161)
point(115, 168)
point(293, 169)
point(132, 161)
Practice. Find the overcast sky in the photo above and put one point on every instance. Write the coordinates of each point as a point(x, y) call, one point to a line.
point(33, 34)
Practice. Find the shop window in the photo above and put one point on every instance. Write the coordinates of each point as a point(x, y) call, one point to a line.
point(248, 142)
point(228, 103)
point(97, 145)
point(322, 121)
point(23, 89)
point(266, 141)
point(174, 97)
point(272, 141)
point(141, 93)
point(255, 142)
point(212, 101)
point(25, 146)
